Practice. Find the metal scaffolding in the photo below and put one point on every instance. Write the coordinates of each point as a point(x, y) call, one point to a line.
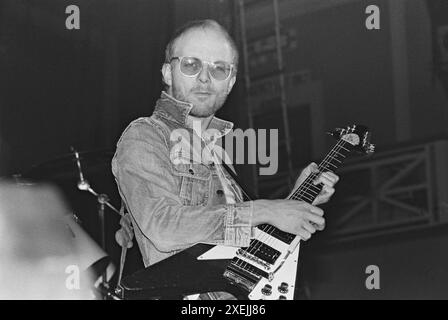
point(279, 74)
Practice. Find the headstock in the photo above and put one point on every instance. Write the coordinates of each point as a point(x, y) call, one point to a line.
point(356, 135)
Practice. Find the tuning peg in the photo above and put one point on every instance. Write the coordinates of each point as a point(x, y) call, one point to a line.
point(370, 148)
point(337, 132)
point(351, 129)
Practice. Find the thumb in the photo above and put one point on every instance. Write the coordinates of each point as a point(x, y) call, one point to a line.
point(313, 167)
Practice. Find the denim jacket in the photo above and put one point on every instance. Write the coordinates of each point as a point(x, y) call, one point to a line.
point(175, 205)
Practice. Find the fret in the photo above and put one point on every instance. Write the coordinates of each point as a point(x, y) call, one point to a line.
point(332, 165)
point(339, 154)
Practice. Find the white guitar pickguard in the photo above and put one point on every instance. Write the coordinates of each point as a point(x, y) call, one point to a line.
point(286, 274)
point(219, 252)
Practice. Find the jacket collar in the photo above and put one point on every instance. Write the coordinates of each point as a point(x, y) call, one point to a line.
point(175, 110)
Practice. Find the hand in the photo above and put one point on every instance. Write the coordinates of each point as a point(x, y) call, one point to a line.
point(327, 179)
point(296, 217)
point(125, 234)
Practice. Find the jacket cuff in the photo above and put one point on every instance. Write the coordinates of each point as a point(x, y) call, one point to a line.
point(238, 224)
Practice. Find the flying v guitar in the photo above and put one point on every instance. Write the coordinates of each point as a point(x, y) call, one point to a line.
point(265, 270)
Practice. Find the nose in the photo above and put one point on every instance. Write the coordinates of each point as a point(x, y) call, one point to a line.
point(204, 75)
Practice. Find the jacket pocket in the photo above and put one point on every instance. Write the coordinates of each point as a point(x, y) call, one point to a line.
point(195, 183)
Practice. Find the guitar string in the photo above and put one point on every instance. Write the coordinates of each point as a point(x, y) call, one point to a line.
point(264, 239)
point(326, 162)
point(302, 188)
point(308, 185)
point(309, 181)
point(322, 166)
point(292, 196)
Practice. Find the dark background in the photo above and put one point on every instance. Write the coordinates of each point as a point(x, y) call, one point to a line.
point(81, 88)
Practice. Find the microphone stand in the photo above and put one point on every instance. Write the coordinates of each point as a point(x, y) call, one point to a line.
point(103, 201)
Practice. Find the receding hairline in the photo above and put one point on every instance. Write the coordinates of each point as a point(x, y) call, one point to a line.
point(204, 25)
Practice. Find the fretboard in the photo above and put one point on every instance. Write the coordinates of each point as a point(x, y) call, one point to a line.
point(308, 191)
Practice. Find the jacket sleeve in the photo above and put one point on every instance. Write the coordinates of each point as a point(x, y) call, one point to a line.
point(141, 167)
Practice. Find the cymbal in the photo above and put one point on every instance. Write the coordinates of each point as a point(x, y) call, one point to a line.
point(64, 166)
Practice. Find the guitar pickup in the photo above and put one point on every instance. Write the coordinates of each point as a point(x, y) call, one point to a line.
point(260, 251)
point(277, 233)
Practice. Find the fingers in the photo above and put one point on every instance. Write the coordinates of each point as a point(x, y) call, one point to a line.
point(319, 227)
point(324, 196)
point(312, 209)
point(304, 235)
point(312, 167)
point(314, 218)
point(327, 179)
point(327, 191)
point(309, 227)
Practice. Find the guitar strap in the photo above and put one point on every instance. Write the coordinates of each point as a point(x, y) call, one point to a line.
point(247, 195)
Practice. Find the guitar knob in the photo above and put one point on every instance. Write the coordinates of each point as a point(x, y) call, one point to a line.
point(283, 287)
point(282, 298)
point(267, 290)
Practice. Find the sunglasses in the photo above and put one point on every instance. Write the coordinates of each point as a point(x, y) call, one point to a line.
point(191, 66)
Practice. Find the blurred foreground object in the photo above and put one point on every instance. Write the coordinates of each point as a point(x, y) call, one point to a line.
point(41, 252)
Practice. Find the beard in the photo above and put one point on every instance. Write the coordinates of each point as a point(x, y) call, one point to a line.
point(203, 106)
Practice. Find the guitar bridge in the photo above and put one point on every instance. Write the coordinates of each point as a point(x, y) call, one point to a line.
point(247, 255)
point(243, 274)
point(239, 280)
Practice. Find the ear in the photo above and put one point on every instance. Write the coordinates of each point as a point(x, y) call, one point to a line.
point(166, 74)
point(231, 83)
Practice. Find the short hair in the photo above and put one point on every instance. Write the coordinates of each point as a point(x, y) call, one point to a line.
point(201, 24)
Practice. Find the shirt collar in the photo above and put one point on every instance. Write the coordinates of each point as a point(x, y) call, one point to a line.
point(175, 110)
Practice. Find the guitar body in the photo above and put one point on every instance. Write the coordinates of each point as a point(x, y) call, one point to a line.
point(184, 274)
point(180, 275)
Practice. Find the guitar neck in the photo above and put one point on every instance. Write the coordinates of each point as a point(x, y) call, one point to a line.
point(308, 191)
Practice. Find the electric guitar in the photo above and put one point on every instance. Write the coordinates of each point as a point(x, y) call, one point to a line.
point(266, 269)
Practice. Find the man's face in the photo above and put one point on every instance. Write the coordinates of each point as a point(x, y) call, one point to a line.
point(203, 91)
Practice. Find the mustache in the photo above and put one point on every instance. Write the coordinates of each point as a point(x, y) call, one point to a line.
point(203, 89)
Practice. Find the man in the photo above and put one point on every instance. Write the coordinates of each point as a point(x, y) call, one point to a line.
point(175, 204)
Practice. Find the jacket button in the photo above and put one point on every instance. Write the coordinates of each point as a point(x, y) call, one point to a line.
point(191, 171)
point(220, 193)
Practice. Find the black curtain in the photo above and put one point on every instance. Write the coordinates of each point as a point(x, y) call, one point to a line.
point(438, 10)
point(81, 88)
point(75, 87)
